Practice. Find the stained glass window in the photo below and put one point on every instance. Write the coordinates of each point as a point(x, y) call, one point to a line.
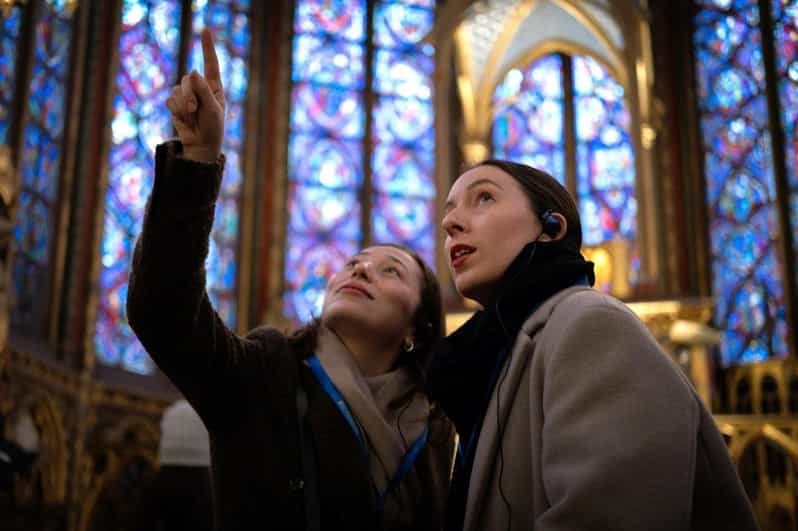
point(326, 199)
point(40, 163)
point(148, 50)
point(402, 161)
point(785, 14)
point(605, 172)
point(325, 153)
point(9, 40)
point(740, 187)
point(530, 110)
point(528, 118)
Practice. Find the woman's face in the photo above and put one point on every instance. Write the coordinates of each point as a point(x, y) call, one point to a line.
point(377, 292)
point(488, 221)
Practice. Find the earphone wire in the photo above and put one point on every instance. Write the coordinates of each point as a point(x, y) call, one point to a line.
point(502, 376)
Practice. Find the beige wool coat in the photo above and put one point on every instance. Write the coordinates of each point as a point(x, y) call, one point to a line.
point(599, 430)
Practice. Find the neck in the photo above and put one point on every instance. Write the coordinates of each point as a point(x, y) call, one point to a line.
point(372, 358)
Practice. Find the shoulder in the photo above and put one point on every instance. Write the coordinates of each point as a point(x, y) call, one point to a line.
point(266, 334)
point(591, 309)
point(274, 346)
point(595, 328)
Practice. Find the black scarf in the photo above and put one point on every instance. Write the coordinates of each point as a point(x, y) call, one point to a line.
point(463, 373)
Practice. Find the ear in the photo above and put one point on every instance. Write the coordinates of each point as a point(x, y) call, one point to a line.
point(563, 229)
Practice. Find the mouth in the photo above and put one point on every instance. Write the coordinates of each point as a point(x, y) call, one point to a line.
point(355, 289)
point(459, 253)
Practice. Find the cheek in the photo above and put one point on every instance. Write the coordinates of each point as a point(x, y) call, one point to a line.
point(404, 302)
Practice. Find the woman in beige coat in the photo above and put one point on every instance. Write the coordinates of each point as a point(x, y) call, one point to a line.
point(571, 418)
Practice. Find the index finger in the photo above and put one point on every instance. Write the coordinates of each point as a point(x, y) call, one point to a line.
point(210, 60)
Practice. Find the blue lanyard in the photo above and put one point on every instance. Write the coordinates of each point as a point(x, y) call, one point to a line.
point(409, 458)
point(332, 392)
point(404, 468)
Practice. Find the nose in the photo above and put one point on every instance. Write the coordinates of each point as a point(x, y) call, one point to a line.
point(362, 269)
point(451, 223)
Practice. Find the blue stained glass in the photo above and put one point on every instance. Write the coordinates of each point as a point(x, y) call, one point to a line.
point(309, 264)
point(325, 150)
point(148, 49)
point(404, 121)
point(229, 22)
point(328, 61)
point(321, 210)
point(325, 154)
point(399, 171)
point(420, 3)
point(326, 111)
point(40, 158)
point(326, 162)
point(402, 160)
point(785, 13)
point(605, 158)
point(528, 116)
point(9, 40)
point(346, 19)
point(406, 220)
point(747, 279)
point(406, 75)
point(398, 25)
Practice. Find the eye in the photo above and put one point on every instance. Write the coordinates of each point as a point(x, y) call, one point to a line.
point(392, 270)
point(350, 264)
point(484, 197)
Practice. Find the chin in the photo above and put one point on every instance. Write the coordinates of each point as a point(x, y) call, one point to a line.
point(473, 289)
point(465, 288)
point(343, 311)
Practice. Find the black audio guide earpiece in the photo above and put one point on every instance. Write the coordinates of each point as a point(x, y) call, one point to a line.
point(551, 225)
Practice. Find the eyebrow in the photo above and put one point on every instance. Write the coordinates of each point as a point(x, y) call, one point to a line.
point(392, 257)
point(449, 204)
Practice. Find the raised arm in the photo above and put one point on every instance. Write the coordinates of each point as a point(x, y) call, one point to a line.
point(167, 304)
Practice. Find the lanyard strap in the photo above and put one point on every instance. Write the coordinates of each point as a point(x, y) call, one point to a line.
point(332, 392)
point(404, 467)
point(410, 457)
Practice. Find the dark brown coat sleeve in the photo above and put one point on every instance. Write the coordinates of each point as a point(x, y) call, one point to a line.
point(167, 304)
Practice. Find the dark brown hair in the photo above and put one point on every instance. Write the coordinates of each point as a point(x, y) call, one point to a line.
point(544, 193)
point(428, 321)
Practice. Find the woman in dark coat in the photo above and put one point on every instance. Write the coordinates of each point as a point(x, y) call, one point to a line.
point(325, 429)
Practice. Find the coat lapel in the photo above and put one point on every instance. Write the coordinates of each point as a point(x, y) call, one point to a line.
point(486, 457)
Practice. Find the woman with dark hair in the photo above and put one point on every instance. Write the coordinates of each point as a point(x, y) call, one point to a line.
point(570, 415)
point(328, 428)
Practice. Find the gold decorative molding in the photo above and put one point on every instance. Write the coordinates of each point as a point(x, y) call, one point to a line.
point(53, 454)
point(9, 190)
point(46, 375)
point(769, 444)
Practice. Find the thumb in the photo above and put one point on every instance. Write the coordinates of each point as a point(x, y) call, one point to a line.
point(201, 88)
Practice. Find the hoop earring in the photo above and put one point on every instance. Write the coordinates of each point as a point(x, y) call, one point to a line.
point(408, 345)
